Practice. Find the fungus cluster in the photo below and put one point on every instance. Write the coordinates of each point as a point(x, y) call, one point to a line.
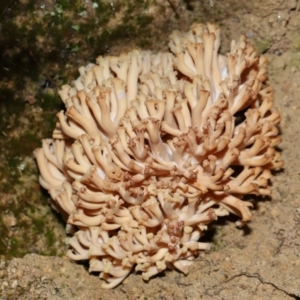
point(153, 147)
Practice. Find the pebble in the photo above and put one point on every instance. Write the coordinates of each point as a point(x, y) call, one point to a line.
point(9, 220)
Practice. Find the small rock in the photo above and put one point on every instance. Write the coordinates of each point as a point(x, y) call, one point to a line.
point(14, 284)
point(9, 220)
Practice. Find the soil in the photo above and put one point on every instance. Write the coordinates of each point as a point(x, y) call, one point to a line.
point(258, 261)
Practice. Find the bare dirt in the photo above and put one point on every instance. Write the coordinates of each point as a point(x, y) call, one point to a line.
point(259, 261)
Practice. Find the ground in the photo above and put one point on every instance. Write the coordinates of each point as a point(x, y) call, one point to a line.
point(42, 43)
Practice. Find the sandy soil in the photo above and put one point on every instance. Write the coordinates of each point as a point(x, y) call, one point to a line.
point(260, 261)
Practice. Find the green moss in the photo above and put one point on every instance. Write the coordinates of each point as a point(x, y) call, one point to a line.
point(15, 247)
point(49, 102)
point(30, 5)
point(104, 12)
point(19, 149)
point(67, 4)
point(50, 237)
point(295, 41)
point(262, 45)
point(39, 224)
point(31, 209)
point(294, 59)
point(38, 43)
point(7, 186)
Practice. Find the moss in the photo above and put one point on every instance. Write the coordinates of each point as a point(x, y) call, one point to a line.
point(30, 5)
point(19, 149)
point(48, 44)
point(39, 224)
point(294, 59)
point(49, 102)
point(15, 247)
point(6, 187)
point(295, 41)
point(104, 12)
point(50, 237)
point(262, 45)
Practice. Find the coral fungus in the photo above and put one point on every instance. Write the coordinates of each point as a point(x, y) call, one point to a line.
point(153, 147)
